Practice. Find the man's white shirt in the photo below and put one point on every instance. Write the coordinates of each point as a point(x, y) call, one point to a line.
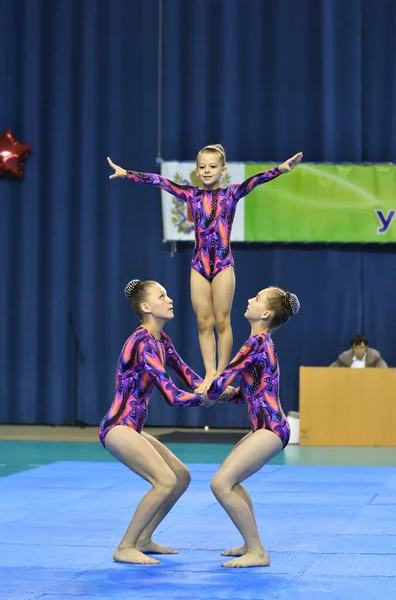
point(358, 364)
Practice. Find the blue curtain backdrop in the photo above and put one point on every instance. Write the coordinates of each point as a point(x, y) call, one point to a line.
point(267, 79)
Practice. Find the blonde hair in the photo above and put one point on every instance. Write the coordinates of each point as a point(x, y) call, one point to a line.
point(215, 148)
point(283, 305)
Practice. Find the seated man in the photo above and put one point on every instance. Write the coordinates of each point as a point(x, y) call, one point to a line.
point(360, 355)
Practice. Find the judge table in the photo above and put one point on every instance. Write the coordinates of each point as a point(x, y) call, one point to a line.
point(347, 407)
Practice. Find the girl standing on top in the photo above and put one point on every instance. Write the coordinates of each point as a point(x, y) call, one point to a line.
point(212, 268)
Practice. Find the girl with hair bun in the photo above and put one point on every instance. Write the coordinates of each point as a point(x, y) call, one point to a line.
point(140, 367)
point(212, 279)
point(256, 364)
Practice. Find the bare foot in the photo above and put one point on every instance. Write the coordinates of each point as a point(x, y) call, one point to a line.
point(209, 378)
point(235, 551)
point(153, 548)
point(250, 559)
point(132, 555)
point(203, 388)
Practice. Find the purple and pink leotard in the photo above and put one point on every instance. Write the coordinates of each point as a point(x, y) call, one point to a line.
point(256, 363)
point(213, 214)
point(140, 367)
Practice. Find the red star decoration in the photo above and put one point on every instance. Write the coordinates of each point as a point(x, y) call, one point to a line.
point(12, 154)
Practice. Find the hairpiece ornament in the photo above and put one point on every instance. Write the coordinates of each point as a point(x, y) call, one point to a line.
point(291, 303)
point(130, 286)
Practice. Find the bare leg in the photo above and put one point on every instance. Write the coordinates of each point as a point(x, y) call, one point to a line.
point(244, 494)
point(134, 451)
point(183, 478)
point(223, 288)
point(255, 451)
point(201, 298)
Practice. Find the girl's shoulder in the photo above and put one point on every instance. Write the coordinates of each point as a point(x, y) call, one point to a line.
point(140, 336)
point(260, 340)
point(140, 332)
point(134, 344)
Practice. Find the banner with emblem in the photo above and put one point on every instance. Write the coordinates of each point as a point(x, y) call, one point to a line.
point(313, 203)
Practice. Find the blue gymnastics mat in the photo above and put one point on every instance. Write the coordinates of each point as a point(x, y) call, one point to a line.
point(330, 532)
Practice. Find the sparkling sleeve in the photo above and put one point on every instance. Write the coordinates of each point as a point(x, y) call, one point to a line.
point(174, 396)
point(182, 370)
point(179, 191)
point(243, 189)
point(239, 363)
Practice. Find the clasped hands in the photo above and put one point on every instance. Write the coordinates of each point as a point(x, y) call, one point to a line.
point(202, 390)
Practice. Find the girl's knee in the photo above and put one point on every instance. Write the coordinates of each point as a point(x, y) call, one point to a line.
point(222, 323)
point(183, 478)
point(205, 323)
point(220, 486)
point(167, 484)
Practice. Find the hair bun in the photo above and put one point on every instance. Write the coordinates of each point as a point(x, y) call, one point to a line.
point(293, 303)
point(130, 286)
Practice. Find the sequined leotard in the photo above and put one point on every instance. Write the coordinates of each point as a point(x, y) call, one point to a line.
point(256, 363)
point(140, 367)
point(213, 215)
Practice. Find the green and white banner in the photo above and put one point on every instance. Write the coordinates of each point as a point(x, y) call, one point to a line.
point(313, 203)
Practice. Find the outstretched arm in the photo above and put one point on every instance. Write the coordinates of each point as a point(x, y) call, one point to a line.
point(150, 359)
point(243, 189)
point(239, 363)
point(182, 370)
point(180, 191)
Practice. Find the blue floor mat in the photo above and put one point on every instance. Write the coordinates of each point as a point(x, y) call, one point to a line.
point(330, 532)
